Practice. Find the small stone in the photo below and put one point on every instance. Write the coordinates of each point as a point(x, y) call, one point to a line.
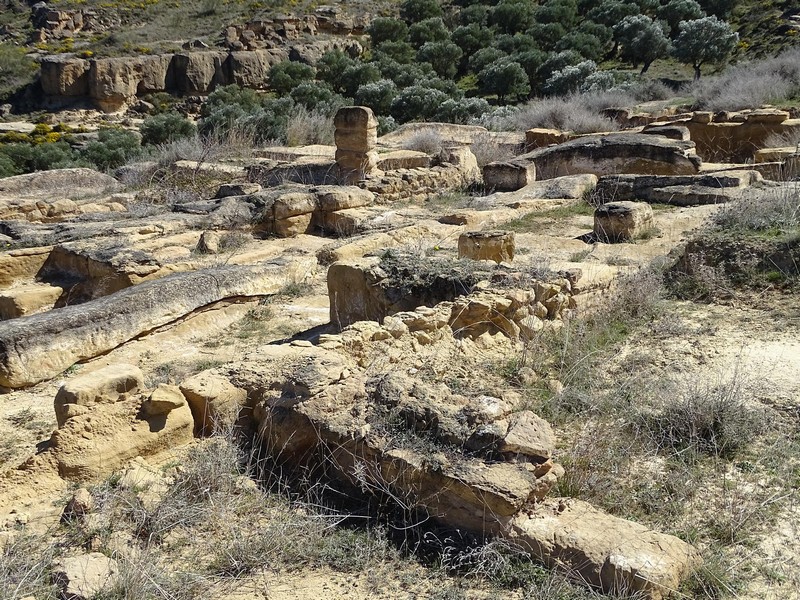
point(80, 505)
point(165, 398)
point(208, 243)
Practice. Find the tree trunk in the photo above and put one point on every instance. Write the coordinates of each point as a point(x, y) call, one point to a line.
point(696, 72)
point(645, 66)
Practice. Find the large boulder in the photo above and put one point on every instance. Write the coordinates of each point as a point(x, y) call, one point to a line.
point(622, 221)
point(38, 347)
point(107, 385)
point(606, 552)
point(611, 153)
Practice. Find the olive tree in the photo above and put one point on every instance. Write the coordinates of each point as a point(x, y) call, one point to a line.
point(703, 41)
point(642, 40)
point(505, 78)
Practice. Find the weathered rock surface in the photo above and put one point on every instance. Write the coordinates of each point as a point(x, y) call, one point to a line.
point(622, 221)
point(611, 153)
point(610, 553)
point(682, 190)
point(107, 385)
point(487, 245)
point(214, 401)
point(85, 576)
point(40, 346)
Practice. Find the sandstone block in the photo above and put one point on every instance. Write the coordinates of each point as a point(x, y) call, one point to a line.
point(292, 226)
point(21, 301)
point(355, 117)
point(606, 552)
point(213, 400)
point(508, 176)
point(85, 576)
point(540, 137)
point(487, 245)
point(294, 204)
point(528, 435)
point(164, 399)
point(237, 189)
point(38, 347)
point(619, 221)
point(107, 385)
point(356, 140)
point(335, 197)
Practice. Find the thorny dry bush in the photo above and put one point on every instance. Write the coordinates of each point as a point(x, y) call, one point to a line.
point(697, 457)
point(199, 527)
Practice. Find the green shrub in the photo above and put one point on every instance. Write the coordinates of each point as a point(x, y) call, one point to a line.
point(7, 166)
point(287, 75)
point(357, 75)
point(386, 29)
point(16, 70)
point(166, 127)
point(429, 30)
point(417, 103)
point(461, 111)
point(331, 67)
point(377, 95)
point(112, 149)
point(402, 52)
point(444, 57)
point(413, 11)
point(505, 78)
point(511, 16)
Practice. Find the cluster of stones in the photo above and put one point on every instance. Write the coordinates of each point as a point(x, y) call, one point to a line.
point(456, 169)
point(50, 23)
point(517, 313)
point(268, 33)
point(723, 136)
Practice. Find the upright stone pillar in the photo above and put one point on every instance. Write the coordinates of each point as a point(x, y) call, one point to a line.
point(356, 138)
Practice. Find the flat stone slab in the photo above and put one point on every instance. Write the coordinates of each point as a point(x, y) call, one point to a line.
point(602, 550)
point(39, 347)
point(607, 154)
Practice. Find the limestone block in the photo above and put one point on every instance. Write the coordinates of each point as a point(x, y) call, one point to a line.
point(540, 137)
point(336, 197)
point(355, 117)
point(487, 245)
point(363, 161)
point(106, 385)
point(619, 221)
point(356, 140)
point(213, 400)
point(508, 176)
point(85, 576)
point(164, 399)
point(26, 300)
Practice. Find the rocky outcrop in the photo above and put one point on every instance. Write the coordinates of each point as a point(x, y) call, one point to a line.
point(681, 190)
point(85, 576)
point(40, 346)
point(47, 196)
point(373, 288)
point(101, 439)
point(106, 385)
point(112, 83)
point(606, 154)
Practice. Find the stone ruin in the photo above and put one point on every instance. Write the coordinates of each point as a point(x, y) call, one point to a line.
point(90, 279)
